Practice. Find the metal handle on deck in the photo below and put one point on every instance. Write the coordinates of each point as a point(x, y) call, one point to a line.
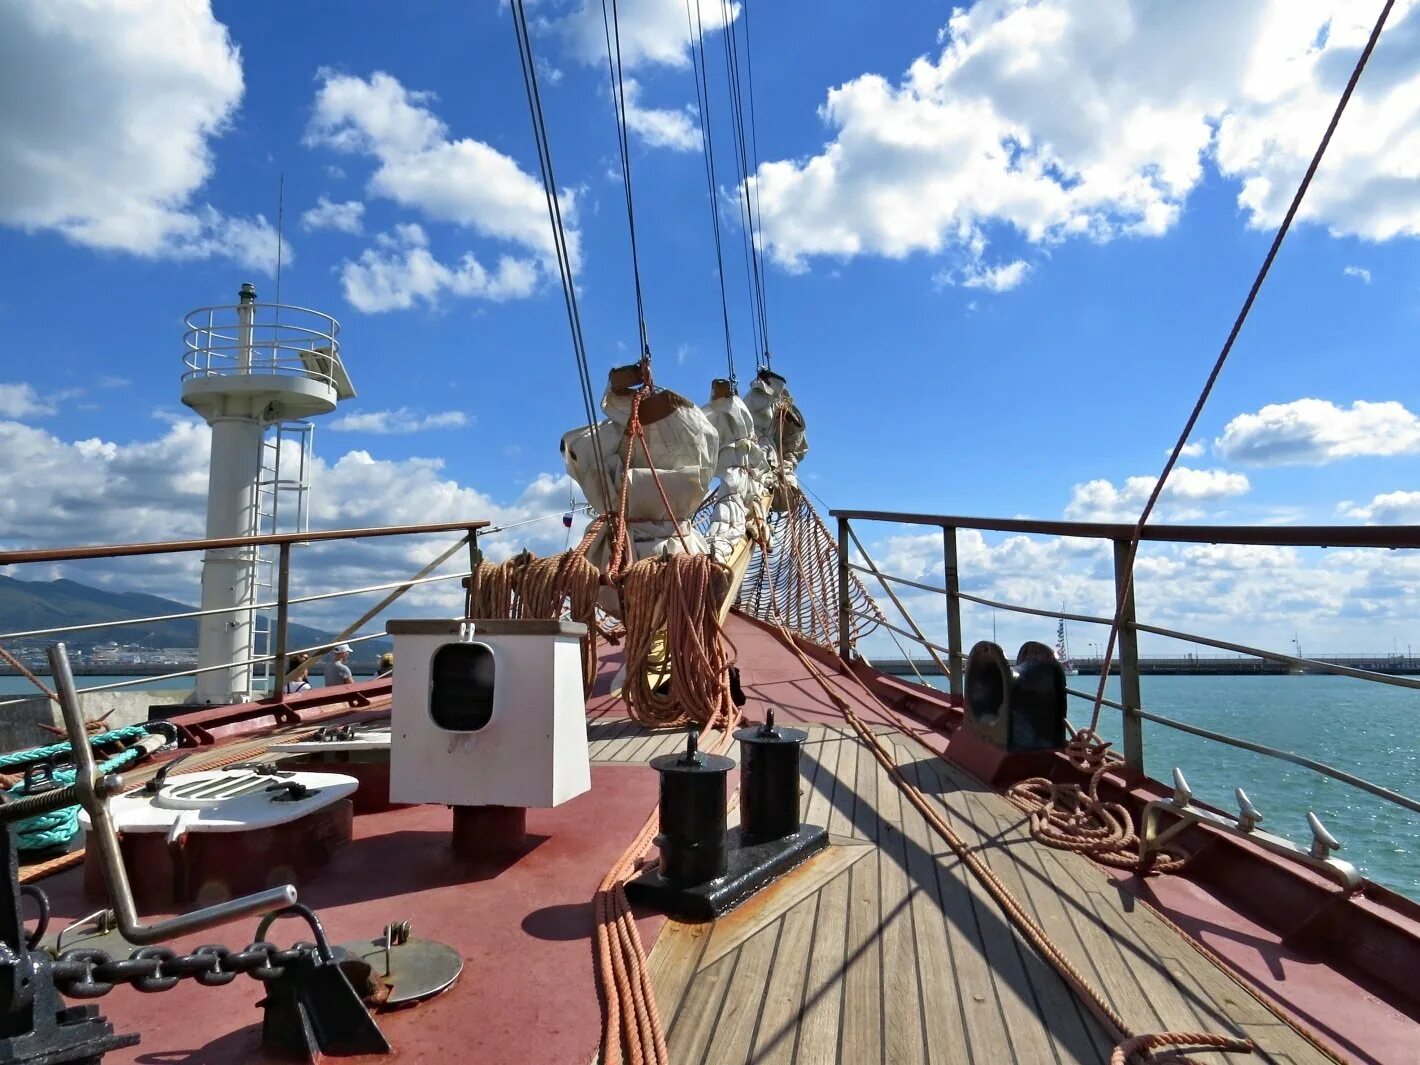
point(93, 798)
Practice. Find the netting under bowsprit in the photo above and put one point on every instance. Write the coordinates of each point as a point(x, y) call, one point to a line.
point(795, 583)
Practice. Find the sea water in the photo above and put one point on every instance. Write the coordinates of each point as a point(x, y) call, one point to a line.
point(1369, 730)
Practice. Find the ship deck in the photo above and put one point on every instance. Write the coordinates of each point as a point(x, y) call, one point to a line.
point(882, 948)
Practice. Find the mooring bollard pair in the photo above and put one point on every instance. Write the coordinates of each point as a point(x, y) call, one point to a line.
point(706, 867)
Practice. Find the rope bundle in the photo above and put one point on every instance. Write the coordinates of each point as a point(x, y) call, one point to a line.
point(678, 596)
point(1069, 817)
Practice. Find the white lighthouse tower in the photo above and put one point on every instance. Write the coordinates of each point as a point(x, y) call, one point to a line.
point(255, 372)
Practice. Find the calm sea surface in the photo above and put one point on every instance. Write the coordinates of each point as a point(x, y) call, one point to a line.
point(1368, 729)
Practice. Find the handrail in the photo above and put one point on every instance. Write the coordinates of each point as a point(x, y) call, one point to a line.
point(1312, 536)
point(1323, 768)
point(294, 601)
point(162, 547)
point(1389, 536)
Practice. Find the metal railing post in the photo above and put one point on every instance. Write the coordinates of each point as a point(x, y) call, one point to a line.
point(475, 556)
point(949, 561)
point(845, 613)
point(283, 610)
point(1128, 659)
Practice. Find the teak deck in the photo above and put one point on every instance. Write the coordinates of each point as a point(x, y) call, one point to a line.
point(885, 948)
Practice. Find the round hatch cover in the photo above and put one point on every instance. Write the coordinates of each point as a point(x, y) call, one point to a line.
point(414, 969)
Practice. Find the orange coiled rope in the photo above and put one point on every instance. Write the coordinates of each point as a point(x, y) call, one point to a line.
point(684, 675)
point(1069, 817)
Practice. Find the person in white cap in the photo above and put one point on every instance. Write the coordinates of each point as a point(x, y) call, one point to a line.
point(336, 671)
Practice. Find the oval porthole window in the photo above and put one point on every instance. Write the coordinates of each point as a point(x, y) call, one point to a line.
point(461, 687)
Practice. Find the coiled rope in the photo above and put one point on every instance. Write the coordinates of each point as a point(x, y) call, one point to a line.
point(1069, 817)
point(56, 828)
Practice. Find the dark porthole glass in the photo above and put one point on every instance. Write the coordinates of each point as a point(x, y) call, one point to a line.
point(461, 692)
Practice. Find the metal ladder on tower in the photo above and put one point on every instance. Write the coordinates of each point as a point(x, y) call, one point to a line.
point(282, 506)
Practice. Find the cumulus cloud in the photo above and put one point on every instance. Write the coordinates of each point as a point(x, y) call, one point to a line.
point(1358, 272)
point(400, 271)
point(19, 400)
point(1068, 118)
point(1313, 432)
point(460, 181)
point(1102, 500)
point(106, 134)
point(660, 128)
point(1388, 508)
point(59, 492)
point(652, 31)
point(1192, 450)
point(346, 217)
point(400, 420)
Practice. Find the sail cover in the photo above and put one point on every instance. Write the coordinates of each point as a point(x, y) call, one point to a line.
point(683, 446)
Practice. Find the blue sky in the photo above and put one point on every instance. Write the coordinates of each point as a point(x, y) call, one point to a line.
point(1004, 245)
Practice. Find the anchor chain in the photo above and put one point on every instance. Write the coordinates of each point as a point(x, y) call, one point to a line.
point(92, 973)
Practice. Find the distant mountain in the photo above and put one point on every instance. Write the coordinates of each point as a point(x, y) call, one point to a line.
point(26, 605)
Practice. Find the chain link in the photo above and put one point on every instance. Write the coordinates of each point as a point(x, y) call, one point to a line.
point(89, 973)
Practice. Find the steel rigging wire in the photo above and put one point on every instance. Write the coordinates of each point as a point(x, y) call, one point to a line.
point(754, 260)
point(559, 234)
point(696, 33)
point(612, 29)
point(1126, 586)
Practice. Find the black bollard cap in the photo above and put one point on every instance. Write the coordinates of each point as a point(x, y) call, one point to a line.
point(769, 732)
point(692, 759)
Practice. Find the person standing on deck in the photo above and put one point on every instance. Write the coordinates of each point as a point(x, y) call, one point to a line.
point(336, 671)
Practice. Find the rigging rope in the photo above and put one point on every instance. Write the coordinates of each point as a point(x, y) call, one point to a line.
point(707, 147)
point(612, 29)
point(559, 234)
point(1126, 586)
point(754, 259)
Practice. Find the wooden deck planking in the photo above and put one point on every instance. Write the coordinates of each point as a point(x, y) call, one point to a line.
point(904, 957)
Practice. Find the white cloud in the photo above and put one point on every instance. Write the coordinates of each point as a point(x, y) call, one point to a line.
point(56, 492)
point(20, 401)
point(1001, 278)
point(464, 181)
point(660, 128)
point(1388, 508)
point(1358, 272)
point(1192, 450)
point(1312, 432)
point(105, 134)
point(1096, 118)
point(1101, 500)
point(346, 217)
point(400, 420)
point(651, 31)
point(400, 271)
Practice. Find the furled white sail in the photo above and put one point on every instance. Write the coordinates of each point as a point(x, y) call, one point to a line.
point(739, 465)
point(779, 428)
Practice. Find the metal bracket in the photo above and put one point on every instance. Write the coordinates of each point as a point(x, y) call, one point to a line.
point(1244, 825)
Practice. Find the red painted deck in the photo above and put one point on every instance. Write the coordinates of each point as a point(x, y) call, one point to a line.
point(527, 993)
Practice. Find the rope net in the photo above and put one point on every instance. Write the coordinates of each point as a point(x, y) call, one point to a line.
point(795, 581)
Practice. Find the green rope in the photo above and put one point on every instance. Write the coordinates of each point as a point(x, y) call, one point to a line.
point(45, 831)
point(44, 754)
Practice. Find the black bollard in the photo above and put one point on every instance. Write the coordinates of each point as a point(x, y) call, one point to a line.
point(693, 838)
point(769, 780)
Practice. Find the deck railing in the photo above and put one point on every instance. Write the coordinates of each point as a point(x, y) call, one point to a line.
point(283, 602)
point(1133, 714)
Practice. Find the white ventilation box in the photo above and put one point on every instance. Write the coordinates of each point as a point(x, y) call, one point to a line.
point(488, 713)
